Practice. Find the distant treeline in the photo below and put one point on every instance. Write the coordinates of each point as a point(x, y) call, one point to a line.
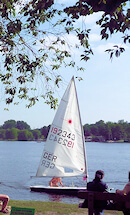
point(20, 130)
point(100, 131)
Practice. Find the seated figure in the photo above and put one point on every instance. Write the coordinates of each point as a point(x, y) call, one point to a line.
point(54, 182)
point(4, 199)
point(96, 185)
point(125, 191)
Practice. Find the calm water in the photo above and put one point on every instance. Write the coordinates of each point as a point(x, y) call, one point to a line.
point(19, 161)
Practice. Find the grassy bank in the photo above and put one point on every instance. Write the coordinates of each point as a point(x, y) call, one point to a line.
point(53, 208)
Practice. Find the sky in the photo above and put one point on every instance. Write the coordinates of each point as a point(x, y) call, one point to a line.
point(104, 93)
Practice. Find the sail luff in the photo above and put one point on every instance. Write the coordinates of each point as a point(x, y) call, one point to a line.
point(82, 130)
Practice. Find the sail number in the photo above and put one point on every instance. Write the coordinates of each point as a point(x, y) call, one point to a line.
point(59, 132)
point(48, 160)
point(62, 137)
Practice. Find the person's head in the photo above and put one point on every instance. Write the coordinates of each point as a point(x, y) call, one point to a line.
point(99, 174)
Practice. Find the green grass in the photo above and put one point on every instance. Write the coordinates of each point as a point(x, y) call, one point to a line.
point(39, 206)
point(59, 208)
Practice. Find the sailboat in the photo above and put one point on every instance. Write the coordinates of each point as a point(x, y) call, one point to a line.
point(64, 151)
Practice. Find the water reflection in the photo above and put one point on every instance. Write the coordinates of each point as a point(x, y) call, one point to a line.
point(55, 198)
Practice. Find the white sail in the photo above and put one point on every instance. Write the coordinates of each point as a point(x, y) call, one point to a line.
point(64, 151)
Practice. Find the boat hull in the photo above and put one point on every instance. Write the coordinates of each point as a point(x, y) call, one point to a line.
point(73, 191)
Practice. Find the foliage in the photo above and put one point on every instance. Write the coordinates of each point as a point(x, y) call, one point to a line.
point(9, 124)
point(34, 46)
point(22, 125)
point(100, 131)
point(25, 135)
point(115, 19)
point(45, 130)
point(36, 134)
point(108, 131)
point(11, 134)
point(32, 50)
point(20, 130)
point(2, 134)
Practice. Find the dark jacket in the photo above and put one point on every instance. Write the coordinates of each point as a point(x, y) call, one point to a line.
point(99, 186)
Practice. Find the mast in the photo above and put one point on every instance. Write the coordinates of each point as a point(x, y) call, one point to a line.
point(82, 130)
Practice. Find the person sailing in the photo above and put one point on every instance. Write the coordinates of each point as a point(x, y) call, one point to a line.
point(54, 182)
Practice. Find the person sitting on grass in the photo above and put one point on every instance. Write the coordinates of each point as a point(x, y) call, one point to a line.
point(54, 182)
point(4, 199)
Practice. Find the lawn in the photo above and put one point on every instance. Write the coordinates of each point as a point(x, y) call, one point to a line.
point(53, 208)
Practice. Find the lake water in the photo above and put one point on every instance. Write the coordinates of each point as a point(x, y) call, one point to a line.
point(19, 161)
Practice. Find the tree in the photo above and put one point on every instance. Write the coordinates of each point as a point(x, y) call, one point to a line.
point(45, 131)
point(9, 124)
point(102, 129)
point(116, 18)
point(11, 133)
point(117, 132)
point(22, 125)
point(87, 131)
point(94, 129)
point(124, 126)
point(109, 130)
point(2, 134)
point(36, 134)
point(128, 131)
point(31, 53)
point(25, 135)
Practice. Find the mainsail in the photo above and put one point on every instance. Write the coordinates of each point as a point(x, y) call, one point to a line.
point(64, 150)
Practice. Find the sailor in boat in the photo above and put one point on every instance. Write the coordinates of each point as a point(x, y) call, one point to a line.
point(54, 182)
